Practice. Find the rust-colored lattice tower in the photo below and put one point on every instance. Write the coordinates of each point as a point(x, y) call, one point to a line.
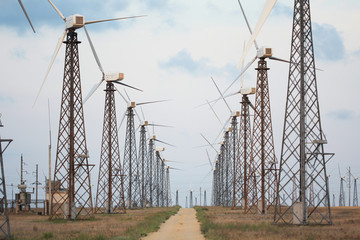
point(130, 163)
point(110, 192)
point(303, 159)
point(72, 190)
point(262, 182)
point(241, 173)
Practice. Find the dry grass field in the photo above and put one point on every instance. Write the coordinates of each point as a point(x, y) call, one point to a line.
point(223, 223)
point(131, 225)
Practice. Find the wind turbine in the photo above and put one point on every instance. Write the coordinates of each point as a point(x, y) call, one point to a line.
point(72, 170)
point(131, 165)
point(110, 191)
point(263, 153)
point(145, 162)
point(27, 16)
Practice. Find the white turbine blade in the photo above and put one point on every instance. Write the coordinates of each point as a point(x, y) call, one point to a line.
point(57, 10)
point(27, 16)
point(122, 120)
point(209, 158)
point(247, 23)
point(127, 95)
point(264, 15)
point(113, 19)
point(122, 96)
point(241, 73)
point(142, 113)
point(222, 96)
point(222, 130)
point(242, 67)
point(51, 63)
point(137, 115)
point(94, 51)
point(209, 143)
point(214, 113)
point(93, 89)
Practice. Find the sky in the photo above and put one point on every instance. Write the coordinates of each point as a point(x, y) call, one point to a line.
point(172, 53)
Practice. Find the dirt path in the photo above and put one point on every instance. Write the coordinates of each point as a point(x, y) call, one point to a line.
point(182, 226)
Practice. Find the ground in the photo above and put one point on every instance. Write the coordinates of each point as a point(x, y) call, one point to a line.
point(223, 223)
point(131, 225)
point(182, 226)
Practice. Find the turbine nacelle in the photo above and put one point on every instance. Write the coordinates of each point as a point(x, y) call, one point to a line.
point(236, 114)
point(132, 104)
point(113, 77)
point(160, 149)
point(248, 91)
point(75, 21)
point(264, 52)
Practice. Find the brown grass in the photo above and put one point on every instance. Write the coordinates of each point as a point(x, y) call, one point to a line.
point(224, 223)
point(30, 226)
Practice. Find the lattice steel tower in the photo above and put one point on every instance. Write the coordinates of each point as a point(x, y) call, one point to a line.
point(110, 192)
point(241, 173)
point(4, 214)
point(144, 165)
point(355, 195)
point(130, 164)
point(151, 171)
point(72, 191)
point(168, 199)
point(263, 174)
point(302, 153)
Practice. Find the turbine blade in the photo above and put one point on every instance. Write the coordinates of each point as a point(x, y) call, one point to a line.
point(279, 59)
point(27, 16)
point(247, 23)
point(207, 153)
point(222, 130)
point(51, 63)
point(142, 113)
point(127, 95)
point(287, 61)
point(241, 68)
point(57, 10)
point(143, 103)
point(159, 125)
point(137, 115)
point(264, 15)
point(176, 168)
point(92, 91)
point(157, 140)
point(214, 113)
point(113, 19)
point(241, 73)
point(128, 86)
point(94, 51)
point(209, 143)
point(122, 120)
point(122, 96)
point(221, 94)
